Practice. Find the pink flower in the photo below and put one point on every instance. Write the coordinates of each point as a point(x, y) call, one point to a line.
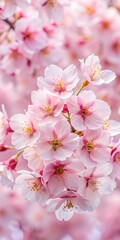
point(31, 186)
point(4, 125)
point(57, 141)
point(6, 175)
point(29, 32)
point(93, 73)
point(112, 50)
point(90, 11)
point(93, 147)
point(11, 5)
point(95, 182)
point(67, 204)
point(34, 161)
point(26, 132)
point(87, 111)
point(60, 175)
point(14, 59)
point(59, 82)
point(45, 105)
point(7, 169)
point(112, 126)
point(115, 161)
point(54, 8)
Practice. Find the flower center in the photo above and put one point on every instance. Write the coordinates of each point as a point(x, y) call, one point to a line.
point(14, 53)
point(116, 46)
point(89, 10)
point(117, 157)
point(51, 3)
point(35, 186)
point(56, 144)
point(27, 35)
point(59, 170)
point(47, 110)
point(59, 86)
point(106, 124)
point(95, 71)
point(68, 205)
point(27, 129)
point(93, 184)
point(84, 112)
point(89, 146)
point(105, 24)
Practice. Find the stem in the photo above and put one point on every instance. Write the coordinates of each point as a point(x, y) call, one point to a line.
point(6, 147)
point(84, 84)
point(18, 154)
point(9, 147)
point(64, 115)
point(9, 23)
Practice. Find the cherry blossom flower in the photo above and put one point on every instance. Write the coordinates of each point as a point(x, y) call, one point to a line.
point(54, 8)
point(92, 71)
point(66, 139)
point(57, 142)
point(112, 126)
point(26, 132)
point(90, 11)
point(59, 82)
point(114, 49)
point(45, 105)
point(60, 175)
point(30, 184)
point(29, 32)
point(93, 147)
point(14, 60)
point(115, 161)
point(11, 5)
point(68, 204)
point(34, 161)
point(96, 182)
point(87, 111)
point(6, 173)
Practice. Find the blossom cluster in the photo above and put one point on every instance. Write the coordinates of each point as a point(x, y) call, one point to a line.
point(68, 139)
point(25, 221)
point(36, 33)
point(63, 152)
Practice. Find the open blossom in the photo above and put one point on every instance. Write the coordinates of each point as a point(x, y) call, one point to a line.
point(26, 132)
point(9, 6)
point(112, 126)
point(66, 140)
point(92, 71)
point(54, 8)
point(87, 111)
point(67, 204)
point(31, 186)
point(59, 82)
point(14, 60)
point(90, 10)
point(57, 141)
point(96, 182)
point(29, 32)
point(60, 175)
point(93, 147)
point(45, 105)
point(34, 161)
